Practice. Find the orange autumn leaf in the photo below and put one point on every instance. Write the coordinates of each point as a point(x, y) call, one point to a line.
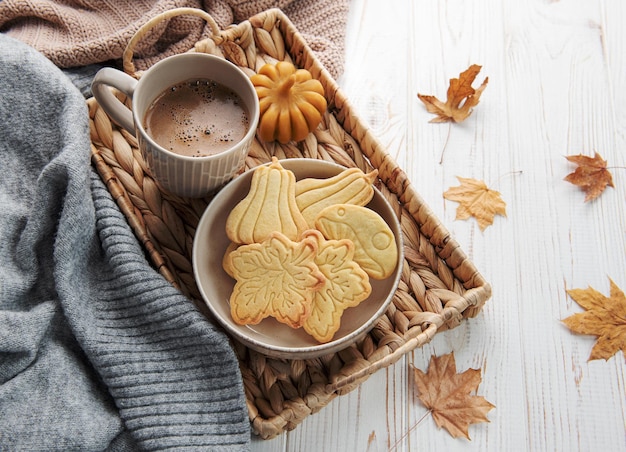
point(592, 175)
point(448, 395)
point(462, 98)
point(604, 317)
point(476, 200)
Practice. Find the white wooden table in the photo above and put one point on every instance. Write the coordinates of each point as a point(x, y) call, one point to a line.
point(557, 87)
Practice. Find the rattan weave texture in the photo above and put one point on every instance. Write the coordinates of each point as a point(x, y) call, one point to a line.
point(439, 287)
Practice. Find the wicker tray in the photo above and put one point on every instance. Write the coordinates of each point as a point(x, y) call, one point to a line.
point(439, 286)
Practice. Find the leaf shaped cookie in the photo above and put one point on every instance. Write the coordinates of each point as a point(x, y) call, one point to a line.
point(346, 286)
point(376, 249)
point(275, 278)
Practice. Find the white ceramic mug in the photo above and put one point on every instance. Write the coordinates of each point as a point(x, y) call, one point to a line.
point(178, 174)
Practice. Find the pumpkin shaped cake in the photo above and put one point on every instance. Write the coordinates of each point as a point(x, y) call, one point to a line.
point(291, 102)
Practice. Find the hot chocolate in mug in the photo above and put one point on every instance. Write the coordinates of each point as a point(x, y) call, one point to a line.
point(177, 154)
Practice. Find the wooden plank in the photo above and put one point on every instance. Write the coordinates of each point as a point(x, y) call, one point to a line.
point(556, 88)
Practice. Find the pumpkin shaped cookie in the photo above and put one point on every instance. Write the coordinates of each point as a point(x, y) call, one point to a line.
point(351, 186)
point(270, 206)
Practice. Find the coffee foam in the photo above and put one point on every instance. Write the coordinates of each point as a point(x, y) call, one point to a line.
point(197, 118)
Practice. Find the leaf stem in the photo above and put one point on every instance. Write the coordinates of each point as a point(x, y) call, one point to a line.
point(445, 145)
point(510, 173)
point(419, 421)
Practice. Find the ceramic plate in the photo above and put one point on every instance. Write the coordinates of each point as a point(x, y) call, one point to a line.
point(271, 337)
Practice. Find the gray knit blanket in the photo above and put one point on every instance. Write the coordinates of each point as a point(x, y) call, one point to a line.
point(97, 351)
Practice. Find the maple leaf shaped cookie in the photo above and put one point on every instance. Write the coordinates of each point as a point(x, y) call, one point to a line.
point(592, 175)
point(448, 395)
point(476, 200)
point(604, 317)
point(275, 278)
point(460, 91)
point(346, 285)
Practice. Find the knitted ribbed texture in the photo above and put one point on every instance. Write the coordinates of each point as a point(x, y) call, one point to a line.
point(76, 33)
point(97, 351)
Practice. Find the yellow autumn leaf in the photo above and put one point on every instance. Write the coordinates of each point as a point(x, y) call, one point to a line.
point(604, 317)
point(476, 200)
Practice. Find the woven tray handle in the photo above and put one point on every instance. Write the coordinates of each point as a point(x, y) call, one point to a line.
point(127, 57)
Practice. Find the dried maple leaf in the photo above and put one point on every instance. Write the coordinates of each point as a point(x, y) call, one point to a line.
point(448, 395)
point(592, 175)
point(605, 318)
point(460, 92)
point(477, 200)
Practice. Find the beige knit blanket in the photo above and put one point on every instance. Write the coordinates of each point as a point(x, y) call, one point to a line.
point(75, 33)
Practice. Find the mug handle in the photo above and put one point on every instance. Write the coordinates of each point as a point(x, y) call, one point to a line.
point(108, 77)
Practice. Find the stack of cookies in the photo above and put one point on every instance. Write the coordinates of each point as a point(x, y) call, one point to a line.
point(304, 251)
